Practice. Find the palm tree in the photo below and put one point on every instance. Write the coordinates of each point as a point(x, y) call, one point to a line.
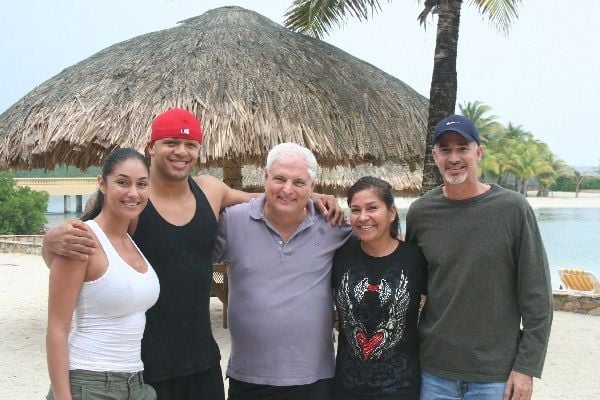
point(501, 146)
point(487, 125)
point(489, 164)
point(528, 162)
point(489, 129)
point(315, 18)
point(559, 167)
point(514, 151)
point(579, 178)
point(508, 150)
point(517, 132)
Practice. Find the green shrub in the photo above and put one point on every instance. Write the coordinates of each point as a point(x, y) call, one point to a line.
point(564, 184)
point(591, 183)
point(21, 209)
point(567, 184)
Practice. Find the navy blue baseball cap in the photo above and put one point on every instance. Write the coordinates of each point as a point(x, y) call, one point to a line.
point(459, 124)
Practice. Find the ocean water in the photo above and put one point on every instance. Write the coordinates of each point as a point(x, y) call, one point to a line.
point(55, 214)
point(571, 238)
point(571, 235)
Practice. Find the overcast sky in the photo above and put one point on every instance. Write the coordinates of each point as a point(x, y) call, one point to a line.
point(543, 76)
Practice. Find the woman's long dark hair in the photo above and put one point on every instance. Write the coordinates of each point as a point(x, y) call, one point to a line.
point(384, 191)
point(116, 157)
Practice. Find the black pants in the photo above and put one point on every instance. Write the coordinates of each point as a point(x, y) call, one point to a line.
point(339, 393)
point(319, 390)
point(205, 385)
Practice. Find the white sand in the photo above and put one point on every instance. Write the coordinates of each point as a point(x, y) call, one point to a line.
point(571, 370)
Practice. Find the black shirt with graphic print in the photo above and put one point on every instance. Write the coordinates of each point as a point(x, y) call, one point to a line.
point(377, 300)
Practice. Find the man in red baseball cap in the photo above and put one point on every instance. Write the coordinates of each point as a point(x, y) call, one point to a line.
point(176, 232)
point(176, 123)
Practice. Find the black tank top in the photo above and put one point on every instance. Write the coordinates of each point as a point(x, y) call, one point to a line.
point(178, 340)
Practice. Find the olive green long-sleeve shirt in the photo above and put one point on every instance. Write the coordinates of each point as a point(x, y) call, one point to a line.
point(488, 274)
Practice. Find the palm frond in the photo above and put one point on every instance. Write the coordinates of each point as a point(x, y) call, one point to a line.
point(316, 17)
point(429, 8)
point(501, 13)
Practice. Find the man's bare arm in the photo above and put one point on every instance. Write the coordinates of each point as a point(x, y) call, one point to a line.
point(220, 196)
point(72, 239)
point(234, 196)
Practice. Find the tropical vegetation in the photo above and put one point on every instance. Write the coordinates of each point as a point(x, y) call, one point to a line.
point(315, 18)
point(515, 158)
point(21, 209)
point(568, 183)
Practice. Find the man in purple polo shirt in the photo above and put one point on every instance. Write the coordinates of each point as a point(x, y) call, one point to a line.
point(280, 252)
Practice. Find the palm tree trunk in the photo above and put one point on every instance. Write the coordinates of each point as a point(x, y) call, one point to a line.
point(442, 95)
point(546, 191)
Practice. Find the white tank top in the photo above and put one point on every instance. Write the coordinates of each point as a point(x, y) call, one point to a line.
point(110, 315)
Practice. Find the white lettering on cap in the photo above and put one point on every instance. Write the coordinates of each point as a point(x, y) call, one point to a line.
point(452, 122)
point(184, 131)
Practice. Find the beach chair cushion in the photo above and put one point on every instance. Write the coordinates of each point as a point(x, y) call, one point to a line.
point(579, 280)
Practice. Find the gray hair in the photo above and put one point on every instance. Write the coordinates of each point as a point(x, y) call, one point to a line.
point(289, 151)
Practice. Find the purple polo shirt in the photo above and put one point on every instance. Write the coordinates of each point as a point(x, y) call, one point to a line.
point(280, 311)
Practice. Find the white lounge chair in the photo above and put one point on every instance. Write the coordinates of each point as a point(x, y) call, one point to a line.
point(579, 281)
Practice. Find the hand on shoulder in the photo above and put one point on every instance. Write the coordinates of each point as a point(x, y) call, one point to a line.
point(329, 208)
point(72, 239)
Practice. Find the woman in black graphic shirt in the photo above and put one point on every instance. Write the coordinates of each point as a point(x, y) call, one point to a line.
point(377, 282)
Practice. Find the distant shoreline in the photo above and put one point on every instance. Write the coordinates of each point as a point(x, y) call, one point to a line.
point(588, 199)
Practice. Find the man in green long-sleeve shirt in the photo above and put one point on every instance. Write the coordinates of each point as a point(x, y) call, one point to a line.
point(484, 330)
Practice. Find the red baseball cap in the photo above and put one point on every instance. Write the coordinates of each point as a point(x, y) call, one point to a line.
point(176, 123)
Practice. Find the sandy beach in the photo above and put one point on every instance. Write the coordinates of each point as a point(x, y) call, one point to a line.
point(571, 370)
point(554, 200)
point(565, 200)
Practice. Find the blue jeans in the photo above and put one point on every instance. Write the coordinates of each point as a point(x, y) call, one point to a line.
point(434, 387)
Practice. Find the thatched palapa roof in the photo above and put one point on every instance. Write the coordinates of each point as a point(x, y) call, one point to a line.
point(336, 180)
point(252, 83)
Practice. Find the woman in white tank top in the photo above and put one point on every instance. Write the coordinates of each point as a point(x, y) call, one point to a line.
point(96, 307)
